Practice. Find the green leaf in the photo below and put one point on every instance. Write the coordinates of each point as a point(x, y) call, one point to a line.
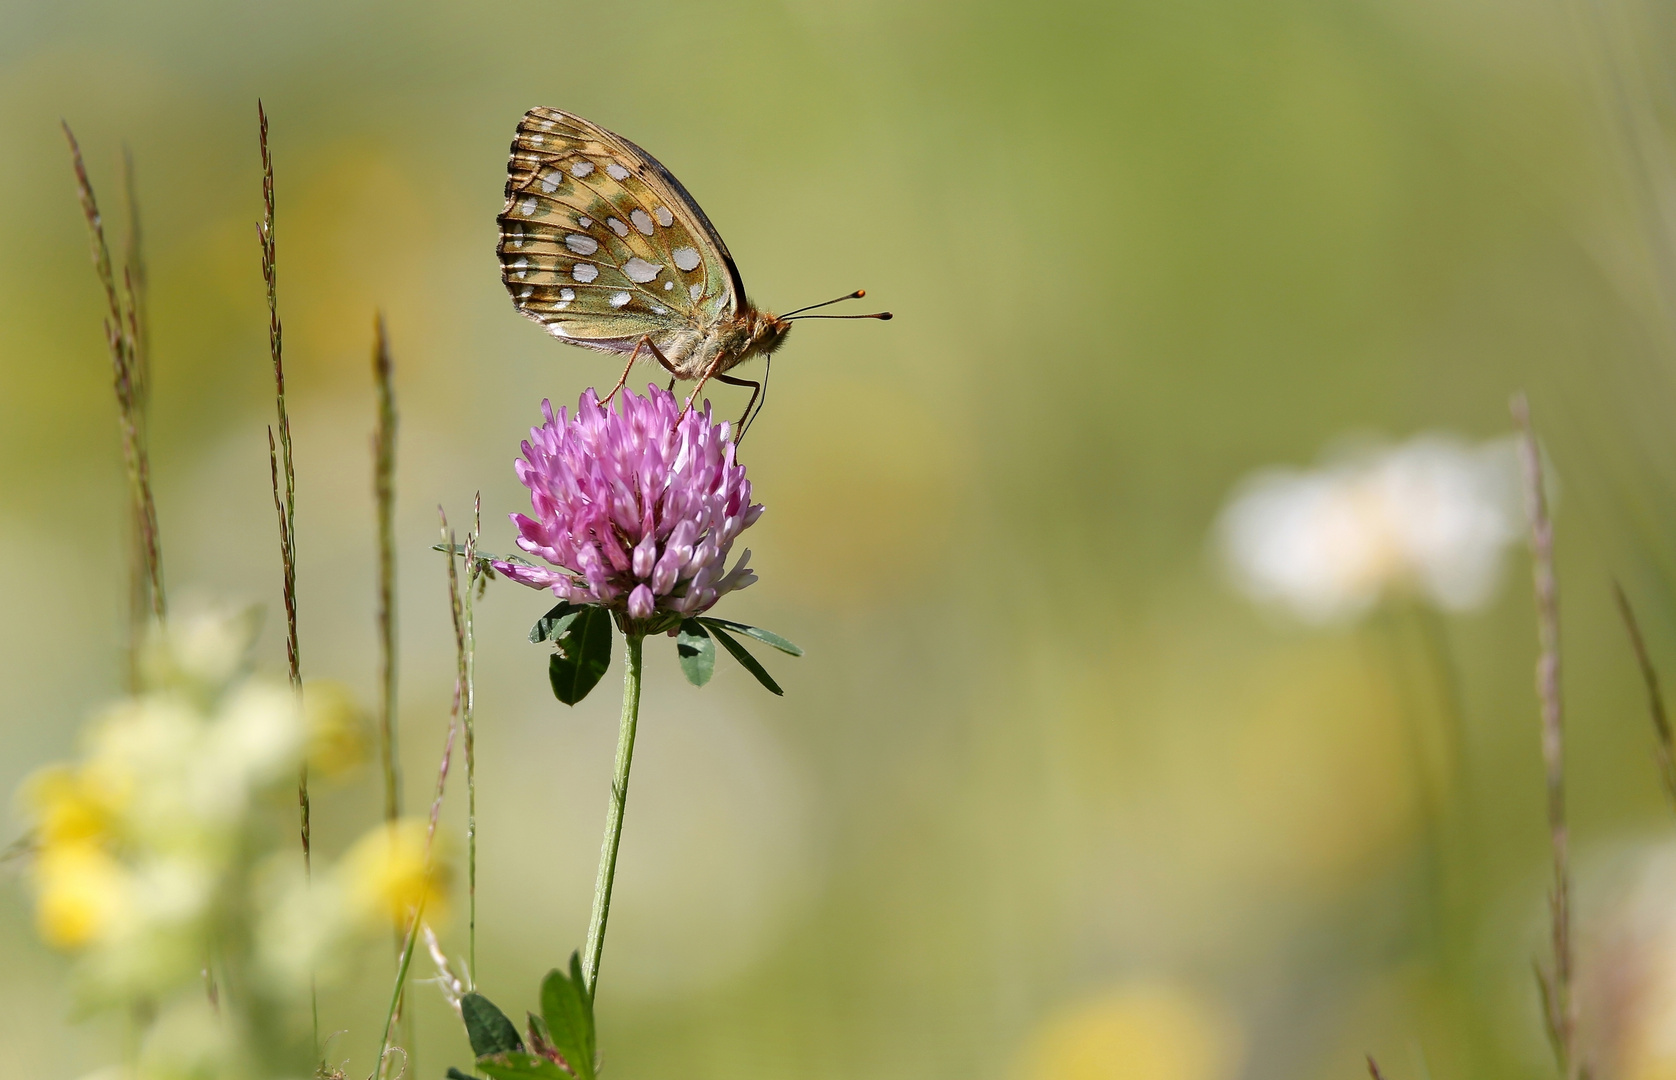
point(455, 1074)
point(697, 652)
point(746, 659)
point(552, 626)
point(767, 637)
point(584, 654)
point(517, 1065)
point(568, 1009)
point(487, 1027)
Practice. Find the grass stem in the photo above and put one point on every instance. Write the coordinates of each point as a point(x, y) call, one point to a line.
point(384, 492)
point(1664, 748)
point(414, 927)
point(285, 506)
point(384, 496)
point(125, 338)
point(468, 673)
point(1559, 1006)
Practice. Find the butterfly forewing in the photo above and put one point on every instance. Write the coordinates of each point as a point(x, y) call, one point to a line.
point(602, 245)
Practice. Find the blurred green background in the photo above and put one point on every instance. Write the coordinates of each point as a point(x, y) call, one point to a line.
point(1045, 800)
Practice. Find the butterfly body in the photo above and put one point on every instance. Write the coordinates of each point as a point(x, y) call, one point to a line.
point(601, 245)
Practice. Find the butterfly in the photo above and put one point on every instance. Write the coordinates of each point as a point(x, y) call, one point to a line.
point(601, 245)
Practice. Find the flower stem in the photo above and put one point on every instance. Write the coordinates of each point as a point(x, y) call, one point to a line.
point(614, 816)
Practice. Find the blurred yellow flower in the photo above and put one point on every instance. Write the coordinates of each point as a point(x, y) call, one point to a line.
point(1150, 1032)
point(388, 873)
point(68, 806)
point(339, 730)
point(80, 893)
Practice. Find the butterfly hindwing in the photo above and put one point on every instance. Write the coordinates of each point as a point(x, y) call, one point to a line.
point(602, 245)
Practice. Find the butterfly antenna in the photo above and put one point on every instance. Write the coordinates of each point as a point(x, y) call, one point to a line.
point(857, 295)
point(882, 316)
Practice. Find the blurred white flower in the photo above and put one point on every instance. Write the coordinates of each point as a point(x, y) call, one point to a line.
point(202, 646)
point(302, 927)
point(1431, 516)
point(1627, 965)
point(192, 1040)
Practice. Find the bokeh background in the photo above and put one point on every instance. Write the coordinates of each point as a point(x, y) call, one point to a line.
point(1046, 799)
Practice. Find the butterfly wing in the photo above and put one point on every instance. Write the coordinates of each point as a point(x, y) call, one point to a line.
point(602, 245)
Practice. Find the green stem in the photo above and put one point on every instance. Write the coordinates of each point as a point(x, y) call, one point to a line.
point(396, 994)
point(470, 707)
point(614, 817)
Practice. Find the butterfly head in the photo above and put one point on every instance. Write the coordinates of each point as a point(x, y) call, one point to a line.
point(766, 332)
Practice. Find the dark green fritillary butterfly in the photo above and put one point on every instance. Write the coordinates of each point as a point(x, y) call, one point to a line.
point(601, 245)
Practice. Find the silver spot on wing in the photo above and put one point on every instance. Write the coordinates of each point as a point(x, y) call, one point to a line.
point(640, 271)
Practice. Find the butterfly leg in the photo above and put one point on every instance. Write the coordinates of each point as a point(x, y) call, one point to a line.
point(628, 367)
point(657, 354)
point(699, 389)
point(756, 388)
